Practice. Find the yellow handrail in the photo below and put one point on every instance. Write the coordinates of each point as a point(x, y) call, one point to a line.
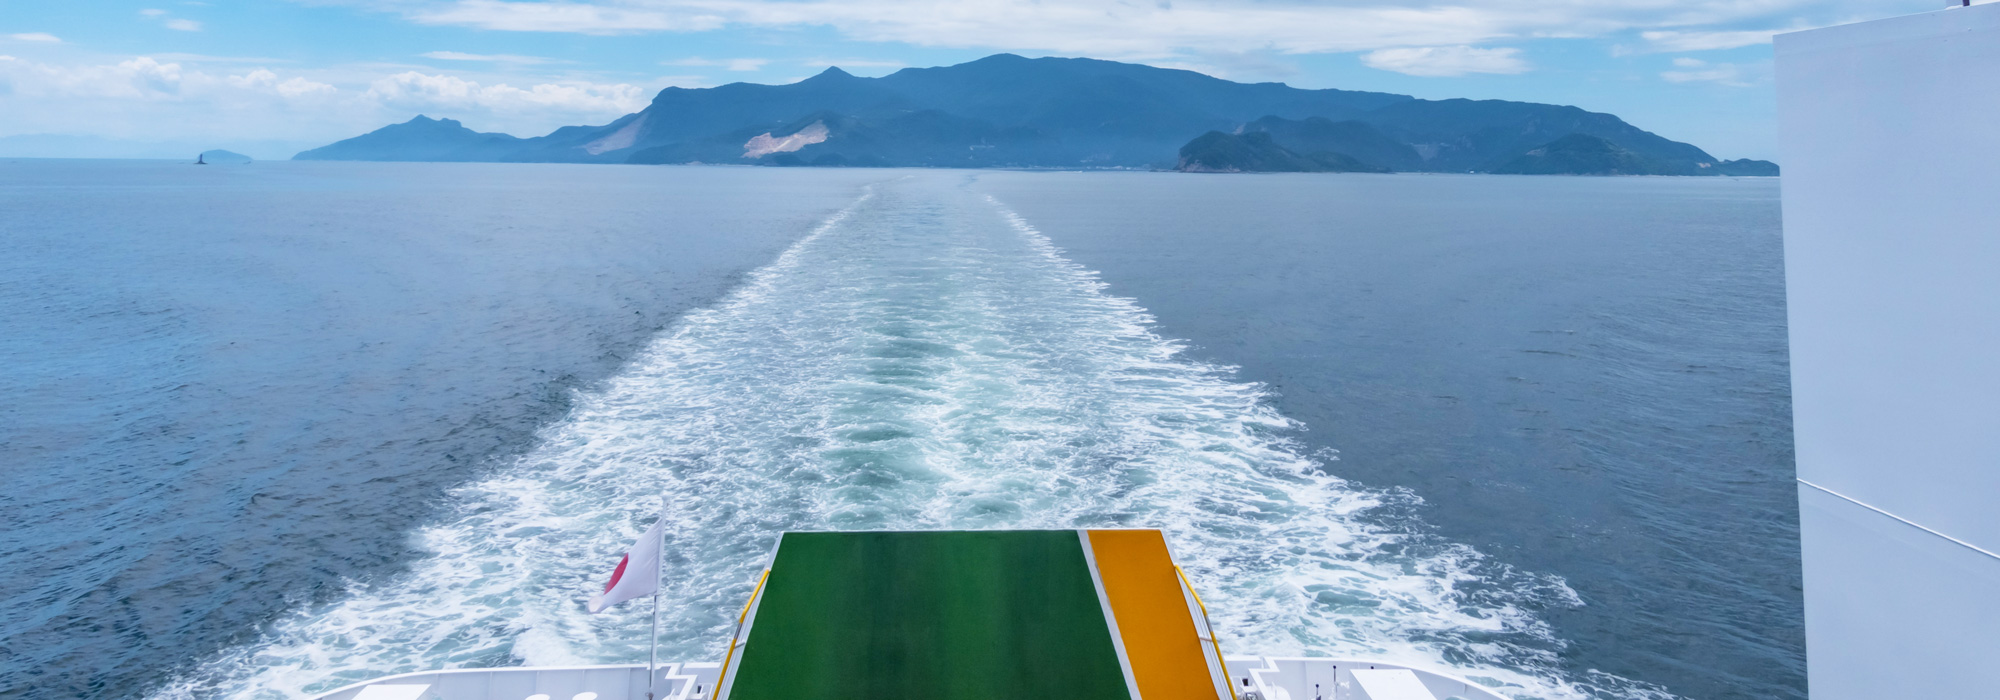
point(740, 619)
point(1212, 641)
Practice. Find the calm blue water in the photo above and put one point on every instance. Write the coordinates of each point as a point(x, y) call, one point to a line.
point(1583, 377)
point(294, 424)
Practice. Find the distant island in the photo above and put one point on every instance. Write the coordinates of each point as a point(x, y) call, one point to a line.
point(1257, 152)
point(1584, 154)
point(1010, 111)
point(221, 157)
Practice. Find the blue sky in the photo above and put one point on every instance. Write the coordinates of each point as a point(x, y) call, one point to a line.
point(271, 77)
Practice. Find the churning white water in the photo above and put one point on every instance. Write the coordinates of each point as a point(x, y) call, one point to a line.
point(924, 359)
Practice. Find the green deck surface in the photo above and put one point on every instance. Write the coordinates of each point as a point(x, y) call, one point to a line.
point(929, 616)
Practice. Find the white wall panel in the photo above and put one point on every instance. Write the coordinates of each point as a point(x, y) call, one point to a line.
point(1893, 611)
point(1890, 143)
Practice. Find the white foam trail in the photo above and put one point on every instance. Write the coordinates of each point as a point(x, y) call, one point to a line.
point(924, 359)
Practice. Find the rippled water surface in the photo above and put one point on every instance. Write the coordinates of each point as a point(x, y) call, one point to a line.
point(231, 390)
point(1583, 377)
point(462, 399)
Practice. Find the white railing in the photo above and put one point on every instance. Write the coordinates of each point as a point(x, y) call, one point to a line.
point(1273, 678)
point(1269, 678)
point(676, 681)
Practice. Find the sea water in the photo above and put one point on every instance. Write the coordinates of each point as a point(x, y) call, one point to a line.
point(1580, 376)
point(915, 350)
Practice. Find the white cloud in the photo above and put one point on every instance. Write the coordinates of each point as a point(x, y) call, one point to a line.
point(852, 63)
point(1447, 61)
point(205, 58)
point(1137, 30)
point(221, 101)
point(1698, 71)
point(36, 37)
point(146, 78)
point(421, 91)
point(267, 81)
point(580, 18)
point(137, 78)
point(1707, 41)
point(182, 25)
point(1095, 27)
point(489, 58)
point(734, 64)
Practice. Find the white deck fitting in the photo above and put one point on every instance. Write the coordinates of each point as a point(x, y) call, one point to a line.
point(1311, 678)
point(1391, 684)
point(396, 691)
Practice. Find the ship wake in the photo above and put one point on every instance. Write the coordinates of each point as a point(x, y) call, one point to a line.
point(924, 359)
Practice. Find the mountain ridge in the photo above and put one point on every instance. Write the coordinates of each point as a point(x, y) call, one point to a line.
point(1007, 110)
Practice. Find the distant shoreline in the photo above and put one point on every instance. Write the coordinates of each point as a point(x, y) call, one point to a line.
point(816, 167)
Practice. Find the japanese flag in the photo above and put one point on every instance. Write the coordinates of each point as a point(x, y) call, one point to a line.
point(638, 574)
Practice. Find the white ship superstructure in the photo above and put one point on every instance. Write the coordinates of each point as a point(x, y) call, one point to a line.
point(1892, 257)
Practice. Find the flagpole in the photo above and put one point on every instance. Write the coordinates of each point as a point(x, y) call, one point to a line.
point(653, 662)
point(659, 570)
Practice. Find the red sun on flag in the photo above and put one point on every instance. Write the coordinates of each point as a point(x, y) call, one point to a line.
point(643, 559)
